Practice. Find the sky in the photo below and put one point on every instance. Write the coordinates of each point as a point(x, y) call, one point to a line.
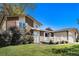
point(56, 15)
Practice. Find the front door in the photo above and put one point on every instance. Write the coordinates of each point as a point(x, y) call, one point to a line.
point(36, 37)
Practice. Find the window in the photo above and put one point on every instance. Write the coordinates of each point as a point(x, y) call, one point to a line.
point(52, 34)
point(46, 34)
point(22, 25)
point(36, 26)
point(41, 33)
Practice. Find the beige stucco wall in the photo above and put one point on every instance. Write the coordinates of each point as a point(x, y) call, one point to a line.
point(72, 37)
point(63, 36)
point(60, 36)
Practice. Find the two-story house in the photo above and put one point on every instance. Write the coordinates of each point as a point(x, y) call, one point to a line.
point(22, 22)
point(29, 23)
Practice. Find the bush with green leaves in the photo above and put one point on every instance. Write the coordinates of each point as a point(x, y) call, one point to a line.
point(19, 37)
point(5, 39)
point(13, 36)
point(27, 39)
point(63, 42)
point(77, 40)
point(51, 42)
point(66, 41)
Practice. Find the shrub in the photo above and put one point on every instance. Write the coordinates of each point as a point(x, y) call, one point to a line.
point(27, 39)
point(56, 42)
point(16, 38)
point(5, 39)
point(15, 35)
point(77, 40)
point(30, 39)
point(51, 42)
point(66, 41)
point(62, 42)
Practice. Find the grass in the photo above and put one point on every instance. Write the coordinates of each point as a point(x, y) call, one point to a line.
point(40, 50)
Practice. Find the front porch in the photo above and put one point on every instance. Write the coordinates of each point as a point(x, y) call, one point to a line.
point(56, 37)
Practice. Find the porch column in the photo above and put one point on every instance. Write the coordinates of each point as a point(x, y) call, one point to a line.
point(75, 36)
point(44, 36)
point(67, 35)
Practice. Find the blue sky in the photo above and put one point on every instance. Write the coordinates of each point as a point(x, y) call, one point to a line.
point(56, 15)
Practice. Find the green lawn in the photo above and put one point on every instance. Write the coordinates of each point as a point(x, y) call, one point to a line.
point(40, 50)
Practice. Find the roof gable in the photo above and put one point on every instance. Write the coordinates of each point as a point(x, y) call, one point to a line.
point(26, 16)
point(33, 19)
point(67, 29)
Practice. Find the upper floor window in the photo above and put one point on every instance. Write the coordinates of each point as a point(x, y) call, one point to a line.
point(21, 25)
point(36, 26)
